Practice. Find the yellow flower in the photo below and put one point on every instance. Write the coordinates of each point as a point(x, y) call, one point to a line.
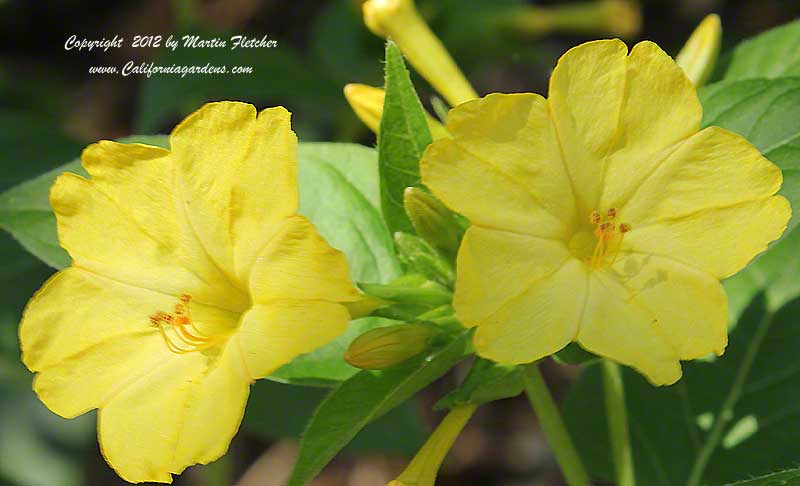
point(192, 276)
point(603, 214)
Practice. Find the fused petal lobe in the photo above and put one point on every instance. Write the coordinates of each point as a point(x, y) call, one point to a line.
point(537, 322)
point(515, 133)
point(714, 168)
point(586, 94)
point(689, 304)
point(614, 327)
point(720, 241)
point(660, 109)
point(272, 335)
point(495, 266)
point(297, 263)
point(485, 192)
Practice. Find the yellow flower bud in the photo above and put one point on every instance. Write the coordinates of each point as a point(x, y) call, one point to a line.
point(621, 18)
point(699, 54)
point(380, 348)
point(422, 470)
point(431, 219)
point(367, 103)
point(400, 20)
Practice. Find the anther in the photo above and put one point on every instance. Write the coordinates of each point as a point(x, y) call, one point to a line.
point(624, 228)
point(612, 213)
point(184, 336)
point(594, 218)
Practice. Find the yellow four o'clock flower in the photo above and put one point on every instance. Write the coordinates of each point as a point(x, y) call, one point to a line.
point(603, 214)
point(192, 276)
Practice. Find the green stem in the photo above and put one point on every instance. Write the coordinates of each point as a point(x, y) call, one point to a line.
point(726, 411)
point(553, 427)
point(617, 414)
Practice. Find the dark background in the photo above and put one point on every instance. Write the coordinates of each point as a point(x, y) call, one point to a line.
point(50, 107)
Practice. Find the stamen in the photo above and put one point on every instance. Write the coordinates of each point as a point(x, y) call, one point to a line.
point(178, 330)
point(609, 237)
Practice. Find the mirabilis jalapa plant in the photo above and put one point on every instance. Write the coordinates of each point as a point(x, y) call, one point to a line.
point(602, 214)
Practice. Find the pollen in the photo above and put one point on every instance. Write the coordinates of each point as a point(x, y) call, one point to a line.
point(609, 237)
point(178, 330)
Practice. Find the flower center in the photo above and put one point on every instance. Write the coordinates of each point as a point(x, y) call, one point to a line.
point(600, 246)
point(178, 330)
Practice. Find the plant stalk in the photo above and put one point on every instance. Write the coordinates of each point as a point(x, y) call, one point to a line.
point(553, 427)
point(617, 414)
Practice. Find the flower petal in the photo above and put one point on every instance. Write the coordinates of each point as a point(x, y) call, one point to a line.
point(690, 305)
point(130, 250)
point(494, 266)
point(720, 241)
point(714, 168)
point(616, 328)
point(272, 335)
point(298, 264)
point(84, 380)
point(586, 94)
point(265, 187)
point(236, 177)
point(70, 346)
point(183, 412)
point(538, 322)
point(484, 191)
point(660, 109)
point(214, 410)
point(53, 327)
point(514, 133)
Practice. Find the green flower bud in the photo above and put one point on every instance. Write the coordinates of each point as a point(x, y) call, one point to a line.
point(416, 254)
point(380, 348)
point(432, 220)
point(410, 289)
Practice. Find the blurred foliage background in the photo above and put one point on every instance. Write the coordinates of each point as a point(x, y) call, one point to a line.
point(51, 107)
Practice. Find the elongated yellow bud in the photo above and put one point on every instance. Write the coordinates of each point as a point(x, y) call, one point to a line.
point(422, 470)
point(431, 219)
point(400, 20)
point(621, 18)
point(699, 55)
point(380, 348)
point(367, 104)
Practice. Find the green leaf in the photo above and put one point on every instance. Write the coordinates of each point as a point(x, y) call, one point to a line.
point(773, 54)
point(278, 411)
point(363, 398)
point(784, 478)
point(765, 112)
point(25, 209)
point(756, 385)
point(402, 138)
point(486, 382)
point(339, 193)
